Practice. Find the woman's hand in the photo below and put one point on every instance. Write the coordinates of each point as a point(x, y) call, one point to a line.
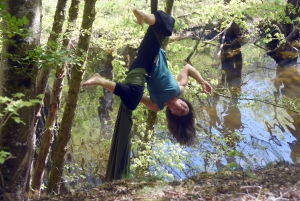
point(190, 71)
point(206, 87)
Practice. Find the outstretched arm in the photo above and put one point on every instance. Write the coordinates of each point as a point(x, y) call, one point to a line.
point(190, 71)
point(149, 104)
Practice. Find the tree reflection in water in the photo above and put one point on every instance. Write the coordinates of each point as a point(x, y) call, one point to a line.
point(230, 119)
point(287, 83)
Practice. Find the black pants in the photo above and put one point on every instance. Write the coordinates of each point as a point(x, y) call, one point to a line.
point(131, 94)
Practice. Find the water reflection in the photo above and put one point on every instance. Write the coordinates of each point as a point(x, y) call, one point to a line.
point(287, 84)
point(229, 121)
point(262, 124)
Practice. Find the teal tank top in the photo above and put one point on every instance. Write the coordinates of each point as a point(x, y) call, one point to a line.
point(162, 85)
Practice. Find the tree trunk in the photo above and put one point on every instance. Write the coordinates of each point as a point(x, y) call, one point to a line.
point(154, 5)
point(289, 27)
point(55, 34)
point(169, 6)
point(18, 75)
point(64, 132)
point(168, 10)
point(48, 135)
point(286, 52)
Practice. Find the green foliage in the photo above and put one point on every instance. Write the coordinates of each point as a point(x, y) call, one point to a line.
point(14, 25)
point(53, 55)
point(13, 105)
point(232, 165)
point(119, 70)
point(234, 153)
point(74, 171)
point(3, 156)
point(155, 189)
point(88, 160)
point(158, 154)
point(116, 24)
point(291, 103)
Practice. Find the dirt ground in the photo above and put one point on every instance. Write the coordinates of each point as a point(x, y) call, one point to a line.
point(279, 181)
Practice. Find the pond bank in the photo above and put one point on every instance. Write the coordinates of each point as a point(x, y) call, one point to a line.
point(277, 181)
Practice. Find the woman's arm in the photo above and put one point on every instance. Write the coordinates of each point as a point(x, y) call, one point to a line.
point(190, 71)
point(149, 104)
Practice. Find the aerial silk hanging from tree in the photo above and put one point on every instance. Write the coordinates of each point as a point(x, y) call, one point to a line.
point(119, 158)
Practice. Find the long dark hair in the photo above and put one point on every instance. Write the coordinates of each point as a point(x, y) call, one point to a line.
point(182, 127)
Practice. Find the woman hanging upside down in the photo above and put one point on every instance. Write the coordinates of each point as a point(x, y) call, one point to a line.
point(150, 66)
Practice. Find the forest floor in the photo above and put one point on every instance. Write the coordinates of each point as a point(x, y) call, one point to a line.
point(275, 182)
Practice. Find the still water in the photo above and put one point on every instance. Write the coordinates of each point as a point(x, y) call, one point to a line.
point(252, 118)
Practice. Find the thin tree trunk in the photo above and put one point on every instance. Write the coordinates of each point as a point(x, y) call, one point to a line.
point(168, 10)
point(18, 75)
point(188, 59)
point(169, 6)
point(55, 34)
point(64, 132)
point(48, 135)
point(154, 5)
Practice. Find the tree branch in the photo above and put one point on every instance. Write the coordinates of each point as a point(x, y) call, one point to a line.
point(195, 47)
point(253, 99)
point(125, 48)
point(223, 38)
point(288, 38)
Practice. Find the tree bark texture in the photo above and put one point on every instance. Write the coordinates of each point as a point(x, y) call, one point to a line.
point(18, 75)
point(55, 34)
point(168, 10)
point(58, 84)
point(64, 132)
point(169, 6)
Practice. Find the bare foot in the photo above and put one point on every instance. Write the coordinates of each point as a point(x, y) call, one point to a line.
point(140, 16)
point(96, 79)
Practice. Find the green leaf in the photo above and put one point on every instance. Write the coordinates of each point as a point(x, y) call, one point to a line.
point(4, 99)
point(233, 153)
point(18, 120)
point(13, 19)
point(3, 155)
point(18, 95)
point(232, 165)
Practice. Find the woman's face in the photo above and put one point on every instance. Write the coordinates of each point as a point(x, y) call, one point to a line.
point(178, 107)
